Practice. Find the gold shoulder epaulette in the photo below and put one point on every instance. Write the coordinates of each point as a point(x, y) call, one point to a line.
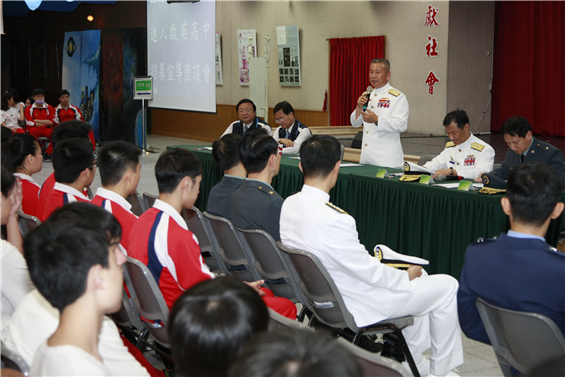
point(450, 144)
point(394, 92)
point(478, 147)
point(336, 208)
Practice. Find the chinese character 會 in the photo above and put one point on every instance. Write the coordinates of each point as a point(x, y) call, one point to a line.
point(431, 81)
point(206, 71)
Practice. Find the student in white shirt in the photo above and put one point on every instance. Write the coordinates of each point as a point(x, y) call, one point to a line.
point(15, 282)
point(77, 266)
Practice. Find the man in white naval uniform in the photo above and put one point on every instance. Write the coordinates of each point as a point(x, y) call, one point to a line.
point(465, 155)
point(371, 291)
point(385, 118)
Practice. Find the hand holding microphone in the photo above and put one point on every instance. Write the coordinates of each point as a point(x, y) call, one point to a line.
point(368, 97)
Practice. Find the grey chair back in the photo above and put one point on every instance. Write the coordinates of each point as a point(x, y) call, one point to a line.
point(373, 364)
point(270, 262)
point(278, 322)
point(233, 249)
point(89, 193)
point(319, 289)
point(12, 360)
point(200, 226)
point(521, 339)
point(128, 316)
point(27, 223)
point(148, 300)
point(149, 200)
point(137, 205)
point(426, 158)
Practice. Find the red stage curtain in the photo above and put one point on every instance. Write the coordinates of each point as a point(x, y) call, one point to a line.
point(349, 73)
point(529, 65)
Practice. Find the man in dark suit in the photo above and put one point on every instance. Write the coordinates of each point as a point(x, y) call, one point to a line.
point(226, 154)
point(519, 270)
point(524, 148)
point(248, 120)
point(256, 205)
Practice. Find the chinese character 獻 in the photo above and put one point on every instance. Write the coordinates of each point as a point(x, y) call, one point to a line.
point(431, 16)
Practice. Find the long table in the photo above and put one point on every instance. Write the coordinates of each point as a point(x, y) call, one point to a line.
point(424, 221)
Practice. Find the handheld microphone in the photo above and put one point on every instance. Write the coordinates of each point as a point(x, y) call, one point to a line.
point(368, 96)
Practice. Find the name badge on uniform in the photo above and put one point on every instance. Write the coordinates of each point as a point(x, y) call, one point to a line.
point(469, 161)
point(384, 103)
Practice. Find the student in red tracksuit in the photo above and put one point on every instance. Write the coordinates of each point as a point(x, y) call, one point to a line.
point(120, 170)
point(40, 116)
point(65, 112)
point(27, 160)
point(67, 130)
point(74, 166)
point(163, 241)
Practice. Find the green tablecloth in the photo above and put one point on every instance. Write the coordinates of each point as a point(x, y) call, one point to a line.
point(429, 222)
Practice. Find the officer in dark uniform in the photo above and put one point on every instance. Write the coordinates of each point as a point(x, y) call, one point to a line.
point(256, 205)
point(524, 148)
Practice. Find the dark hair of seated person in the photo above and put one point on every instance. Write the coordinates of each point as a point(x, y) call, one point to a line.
point(210, 323)
point(225, 151)
point(60, 252)
point(173, 165)
point(69, 130)
point(70, 158)
point(114, 159)
point(294, 353)
point(533, 190)
point(255, 148)
point(318, 155)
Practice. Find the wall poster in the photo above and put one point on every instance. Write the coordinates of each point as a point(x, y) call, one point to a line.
point(218, 59)
point(243, 45)
point(289, 56)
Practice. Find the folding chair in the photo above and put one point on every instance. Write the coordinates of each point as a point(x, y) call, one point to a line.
point(328, 307)
point(89, 193)
point(520, 339)
point(200, 226)
point(372, 364)
point(149, 301)
point(136, 202)
point(274, 266)
point(277, 322)
point(233, 249)
point(128, 317)
point(13, 360)
point(149, 200)
point(27, 223)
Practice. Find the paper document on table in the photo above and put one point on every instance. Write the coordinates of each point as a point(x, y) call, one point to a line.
point(448, 185)
point(412, 167)
point(348, 165)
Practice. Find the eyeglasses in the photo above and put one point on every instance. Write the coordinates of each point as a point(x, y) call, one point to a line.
point(247, 111)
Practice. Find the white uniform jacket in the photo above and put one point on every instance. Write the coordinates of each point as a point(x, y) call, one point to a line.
point(470, 158)
point(381, 144)
point(371, 291)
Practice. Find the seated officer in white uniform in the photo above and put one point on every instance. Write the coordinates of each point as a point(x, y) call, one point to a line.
point(384, 118)
point(465, 155)
point(371, 291)
point(248, 120)
point(290, 133)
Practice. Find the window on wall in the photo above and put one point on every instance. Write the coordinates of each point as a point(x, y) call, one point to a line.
point(349, 73)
